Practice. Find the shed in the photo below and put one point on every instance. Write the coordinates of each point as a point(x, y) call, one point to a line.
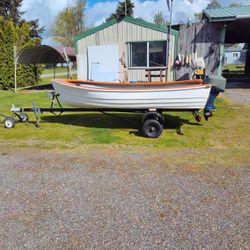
point(123, 49)
point(207, 38)
point(236, 23)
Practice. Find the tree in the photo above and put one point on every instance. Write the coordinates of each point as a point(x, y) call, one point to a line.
point(124, 8)
point(9, 9)
point(198, 16)
point(213, 4)
point(235, 5)
point(68, 23)
point(159, 19)
point(35, 30)
point(79, 12)
point(15, 35)
point(16, 32)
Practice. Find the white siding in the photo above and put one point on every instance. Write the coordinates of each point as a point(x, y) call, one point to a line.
point(120, 33)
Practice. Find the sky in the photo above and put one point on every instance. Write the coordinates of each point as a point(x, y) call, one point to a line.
point(97, 11)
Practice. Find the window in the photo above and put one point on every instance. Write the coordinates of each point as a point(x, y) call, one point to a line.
point(235, 54)
point(148, 54)
point(139, 55)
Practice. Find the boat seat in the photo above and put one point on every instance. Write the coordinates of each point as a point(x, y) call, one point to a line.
point(159, 72)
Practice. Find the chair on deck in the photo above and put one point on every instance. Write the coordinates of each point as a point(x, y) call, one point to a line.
point(159, 72)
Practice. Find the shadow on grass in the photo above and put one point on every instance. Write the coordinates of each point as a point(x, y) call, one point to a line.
point(115, 121)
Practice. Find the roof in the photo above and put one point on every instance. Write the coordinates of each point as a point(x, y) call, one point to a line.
point(136, 21)
point(233, 50)
point(45, 54)
point(69, 50)
point(227, 14)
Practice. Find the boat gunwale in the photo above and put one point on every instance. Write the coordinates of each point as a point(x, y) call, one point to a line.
point(73, 83)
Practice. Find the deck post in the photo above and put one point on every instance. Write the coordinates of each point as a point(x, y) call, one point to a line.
point(169, 39)
point(222, 50)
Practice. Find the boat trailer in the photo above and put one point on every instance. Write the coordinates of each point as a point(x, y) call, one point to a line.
point(151, 122)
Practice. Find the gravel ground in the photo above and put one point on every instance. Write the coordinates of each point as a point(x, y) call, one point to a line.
point(120, 198)
point(238, 92)
point(238, 95)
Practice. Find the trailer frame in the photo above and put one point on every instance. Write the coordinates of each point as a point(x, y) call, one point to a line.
point(152, 119)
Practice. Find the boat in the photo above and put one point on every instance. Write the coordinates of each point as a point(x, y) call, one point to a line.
point(179, 95)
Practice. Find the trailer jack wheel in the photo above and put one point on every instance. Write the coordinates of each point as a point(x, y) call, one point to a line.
point(23, 117)
point(9, 122)
point(152, 128)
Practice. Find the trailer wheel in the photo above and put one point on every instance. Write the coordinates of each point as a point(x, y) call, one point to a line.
point(9, 122)
point(152, 128)
point(24, 117)
point(154, 116)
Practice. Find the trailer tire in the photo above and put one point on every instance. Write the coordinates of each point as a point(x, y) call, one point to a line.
point(9, 122)
point(24, 117)
point(152, 128)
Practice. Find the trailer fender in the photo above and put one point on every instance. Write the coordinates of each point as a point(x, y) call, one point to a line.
point(154, 116)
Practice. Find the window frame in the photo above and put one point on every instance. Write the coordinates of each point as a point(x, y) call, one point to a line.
point(147, 66)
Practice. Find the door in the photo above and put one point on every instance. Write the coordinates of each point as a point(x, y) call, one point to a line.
point(103, 63)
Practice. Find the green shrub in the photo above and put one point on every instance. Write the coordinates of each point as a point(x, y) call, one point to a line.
point(13, 35)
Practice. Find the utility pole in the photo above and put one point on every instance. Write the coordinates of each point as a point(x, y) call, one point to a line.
point(125, 7)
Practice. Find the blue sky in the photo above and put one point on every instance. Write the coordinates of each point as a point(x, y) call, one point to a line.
point(97, 11)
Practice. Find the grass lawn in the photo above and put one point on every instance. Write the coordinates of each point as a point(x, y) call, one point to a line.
point(227, 131)
point(47, 80)
point(236, 68)
point(57, 70)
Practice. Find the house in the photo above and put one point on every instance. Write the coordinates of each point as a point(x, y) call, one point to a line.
point(235, 56)
point(122, 50)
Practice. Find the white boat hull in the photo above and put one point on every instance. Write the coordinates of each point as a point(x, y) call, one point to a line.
point(141, 97)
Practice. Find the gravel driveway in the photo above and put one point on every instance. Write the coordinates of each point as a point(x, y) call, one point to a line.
point(125, 198)
point(238, 92)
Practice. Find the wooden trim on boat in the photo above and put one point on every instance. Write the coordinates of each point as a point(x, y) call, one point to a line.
point(197, 81)
point(73, 83)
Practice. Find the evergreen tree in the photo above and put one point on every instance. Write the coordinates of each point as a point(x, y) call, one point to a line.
point(35, 30)
point(124, 8)
point(9, 9)
point(14, 35)
point(16, 32)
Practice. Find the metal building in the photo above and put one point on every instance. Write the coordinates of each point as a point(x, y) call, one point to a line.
point(124, 49)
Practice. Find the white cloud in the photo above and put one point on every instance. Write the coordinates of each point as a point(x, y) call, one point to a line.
point(46, 10)
point(182, 10)
point(98, 13)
